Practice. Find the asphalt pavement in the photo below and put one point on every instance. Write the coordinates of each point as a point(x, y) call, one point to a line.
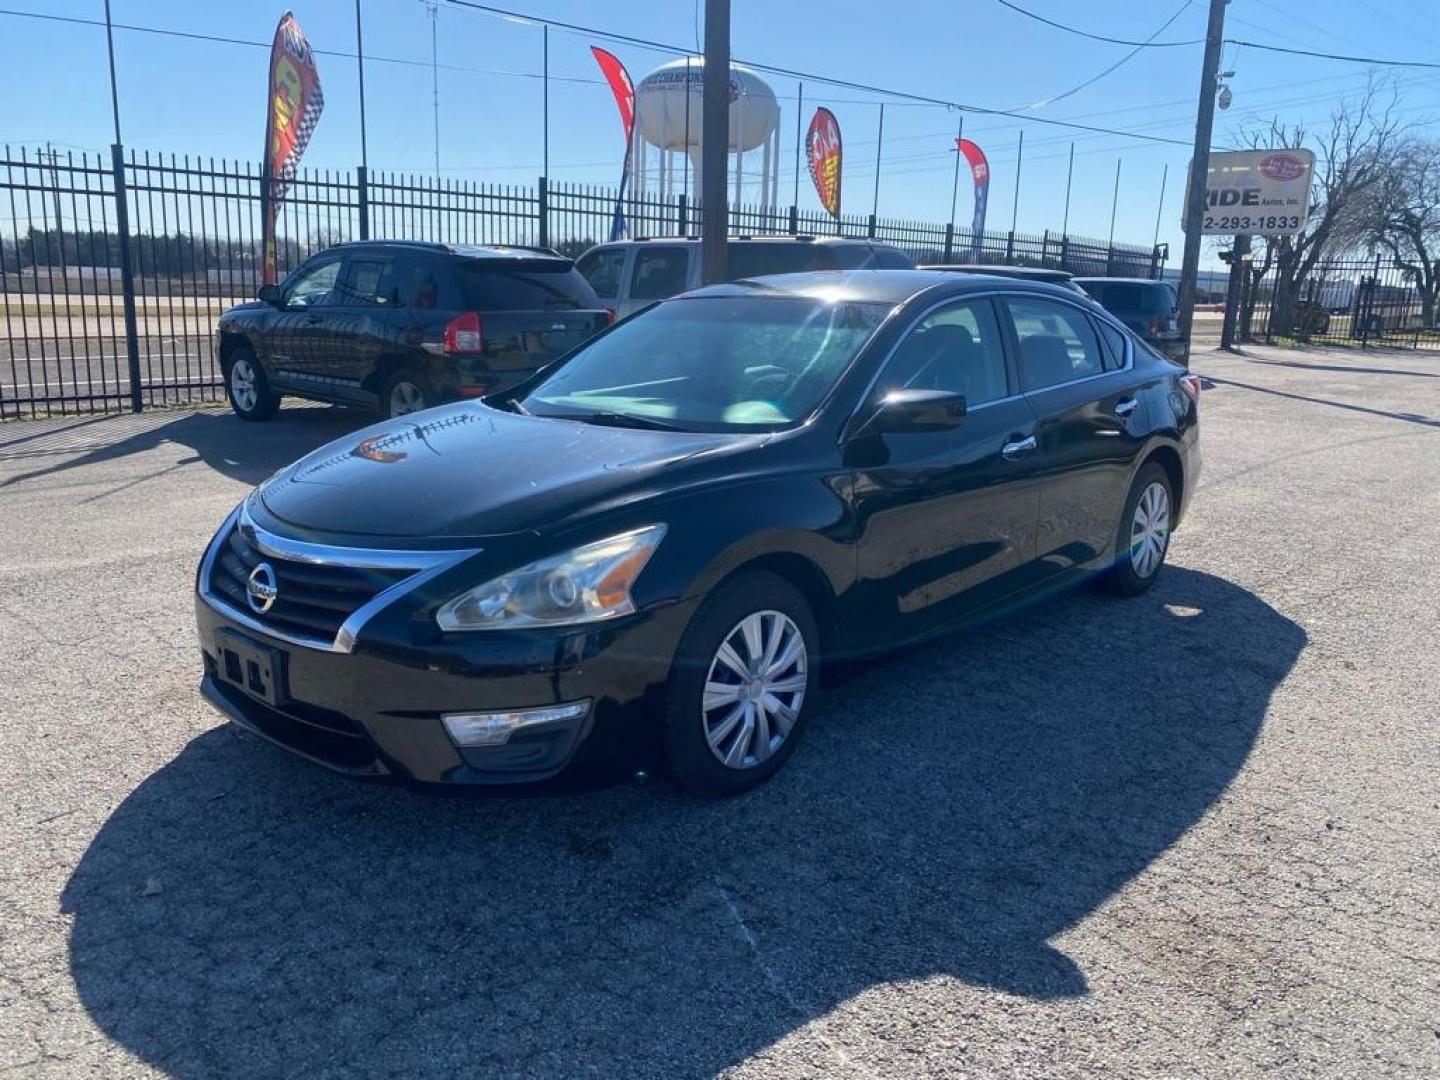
point(1191, 834)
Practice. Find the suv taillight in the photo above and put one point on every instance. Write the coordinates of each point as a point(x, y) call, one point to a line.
point(462, 334)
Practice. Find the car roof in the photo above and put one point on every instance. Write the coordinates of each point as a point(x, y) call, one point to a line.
point(464, 251)
point(1126, 280)
point(1043, 273)
point(783, 238)
point(880, 286)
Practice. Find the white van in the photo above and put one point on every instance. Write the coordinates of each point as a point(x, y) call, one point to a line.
point(633, 273)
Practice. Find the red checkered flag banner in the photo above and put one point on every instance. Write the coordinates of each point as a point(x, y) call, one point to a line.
point(291, 113)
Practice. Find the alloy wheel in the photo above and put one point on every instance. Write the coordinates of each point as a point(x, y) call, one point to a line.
point(755, 689)
point(1150, 530)
point(405, 397)
point(242, 385)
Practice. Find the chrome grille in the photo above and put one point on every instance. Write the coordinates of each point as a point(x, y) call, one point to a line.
point(313, 600)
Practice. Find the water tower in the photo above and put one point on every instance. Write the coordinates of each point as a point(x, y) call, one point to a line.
point(668, 111)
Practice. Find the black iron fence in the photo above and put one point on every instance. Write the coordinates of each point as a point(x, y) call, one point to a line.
point(1361, 302)
point(113, 269)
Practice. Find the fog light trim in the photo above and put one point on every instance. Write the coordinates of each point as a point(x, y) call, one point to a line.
point(495, 728)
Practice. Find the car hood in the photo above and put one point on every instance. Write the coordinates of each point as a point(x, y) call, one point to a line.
point(467, 470)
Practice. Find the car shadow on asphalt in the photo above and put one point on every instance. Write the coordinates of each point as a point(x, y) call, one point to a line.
point(221, 440)
point(953, 810)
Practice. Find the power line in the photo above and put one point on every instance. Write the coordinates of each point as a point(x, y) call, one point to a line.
point(807, 76)
point(1124, 59)
point(1372, 60)
point(1149, 43)
point(218, 39)
point(1377, 61)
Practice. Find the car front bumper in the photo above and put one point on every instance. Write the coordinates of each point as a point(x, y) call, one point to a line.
point(375, 712)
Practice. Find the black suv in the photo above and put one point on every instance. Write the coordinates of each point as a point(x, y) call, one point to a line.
point(1148, 307)
point(402, 326)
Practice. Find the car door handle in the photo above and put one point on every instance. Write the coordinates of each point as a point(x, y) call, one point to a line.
point(1012, 450)
point(1126, 407)
point(312, 320)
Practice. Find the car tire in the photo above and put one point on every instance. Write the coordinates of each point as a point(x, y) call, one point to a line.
point(405, 392)
point(704, 672)
point(1143, 538)
point(247, 387)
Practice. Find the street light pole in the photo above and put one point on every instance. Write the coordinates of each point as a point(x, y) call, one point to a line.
point(1200, 168)
point(714, 142)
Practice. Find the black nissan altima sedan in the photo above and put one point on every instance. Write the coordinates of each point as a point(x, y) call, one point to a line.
point(649, 547)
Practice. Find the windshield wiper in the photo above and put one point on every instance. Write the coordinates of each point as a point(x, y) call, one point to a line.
point(515, 406)
point(630, 420)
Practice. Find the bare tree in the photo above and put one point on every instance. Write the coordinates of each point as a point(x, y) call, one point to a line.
point(1352, 155)
point(1401, 215)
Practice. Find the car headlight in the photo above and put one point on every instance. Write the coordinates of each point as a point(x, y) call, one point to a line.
point(586, 584)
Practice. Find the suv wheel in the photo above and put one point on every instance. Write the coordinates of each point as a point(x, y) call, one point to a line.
point(743, 687)
point(405, 392)
point(247, 388)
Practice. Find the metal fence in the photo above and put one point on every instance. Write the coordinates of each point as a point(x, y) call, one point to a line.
point(113, 269)
point(1365, 302)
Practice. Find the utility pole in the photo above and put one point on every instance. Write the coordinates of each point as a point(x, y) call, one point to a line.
point(1200, 168)
point(715, 142)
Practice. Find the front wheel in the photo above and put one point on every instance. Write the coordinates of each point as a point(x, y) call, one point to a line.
point(1144, 535)
point(743, 687)
point(248, 388)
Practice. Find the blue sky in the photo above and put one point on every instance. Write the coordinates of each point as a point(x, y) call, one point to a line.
point(206, 98)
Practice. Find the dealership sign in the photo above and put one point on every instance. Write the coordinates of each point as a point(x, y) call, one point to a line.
point(1258, 192)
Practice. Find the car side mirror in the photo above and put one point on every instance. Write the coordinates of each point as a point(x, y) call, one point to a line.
point(902, 411)
point(269, 294)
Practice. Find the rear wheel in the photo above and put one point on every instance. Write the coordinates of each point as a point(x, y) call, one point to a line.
point(1144, 535)
point(405, 392)
point(743, 686)
point(247, 388)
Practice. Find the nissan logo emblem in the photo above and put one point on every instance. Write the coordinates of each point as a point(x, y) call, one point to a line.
point(260, 590)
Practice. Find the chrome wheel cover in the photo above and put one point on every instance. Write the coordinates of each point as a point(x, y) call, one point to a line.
point(405, 397)
point(754, 689)
point(1150, 530)
point(243, 391)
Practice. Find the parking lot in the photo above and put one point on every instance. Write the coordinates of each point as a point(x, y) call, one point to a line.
point(1193, 833)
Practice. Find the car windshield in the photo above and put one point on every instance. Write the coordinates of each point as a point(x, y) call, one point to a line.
point(745, 363)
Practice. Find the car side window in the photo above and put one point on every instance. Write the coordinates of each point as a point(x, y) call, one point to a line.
point(367, 283)
point(602, 269)
point(1114, 343)
point(658, 273)
point(955, 348)
point(312, 286)
point(1057, 342)
point(420, 290)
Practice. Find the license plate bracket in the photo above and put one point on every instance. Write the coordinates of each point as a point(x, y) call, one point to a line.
point(254, 668)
